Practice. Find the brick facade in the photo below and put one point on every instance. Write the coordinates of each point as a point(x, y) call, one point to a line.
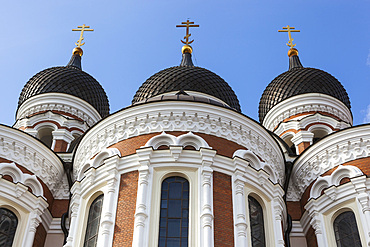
point(40, 236)
point(223, 210)
point(222, 146)
point(124, 227)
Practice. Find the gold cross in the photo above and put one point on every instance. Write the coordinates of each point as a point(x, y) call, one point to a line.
point(289, 30)
point(187, 24)
point(83, 28)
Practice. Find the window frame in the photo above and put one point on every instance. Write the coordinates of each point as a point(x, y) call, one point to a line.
point(88, 216)
point(266, 205)
point(334, 212)
point(85, 207)
point(159, 175)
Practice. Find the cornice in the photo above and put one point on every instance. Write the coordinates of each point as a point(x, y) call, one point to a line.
point(59, 102)
point(331, 151)
point(157, 117)
point(306, 103)
point(30, 153)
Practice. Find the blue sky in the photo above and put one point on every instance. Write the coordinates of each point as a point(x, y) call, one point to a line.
point(238, 40)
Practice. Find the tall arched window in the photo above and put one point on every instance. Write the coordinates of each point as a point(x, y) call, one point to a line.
point(174, 221)
point(256, 222)
point(93, 221)
point(8, 226)
point(346, 231)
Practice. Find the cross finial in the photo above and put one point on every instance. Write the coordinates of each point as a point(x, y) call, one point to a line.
point(289, 30)
point(187, 24)
point(82, 29)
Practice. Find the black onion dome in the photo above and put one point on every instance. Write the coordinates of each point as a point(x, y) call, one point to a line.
point(299, 80)
point(187, 77)
point(70, 80)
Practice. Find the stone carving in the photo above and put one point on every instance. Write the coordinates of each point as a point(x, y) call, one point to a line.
point(41, 162)
point(338, 149)
point(120, 127)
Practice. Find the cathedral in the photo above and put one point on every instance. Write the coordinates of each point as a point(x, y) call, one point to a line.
point(182, 165)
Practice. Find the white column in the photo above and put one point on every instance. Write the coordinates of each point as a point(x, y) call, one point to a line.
point(278, 230)
point(108, 211)
point(240, 219)
point(206, 205)
point(74, 207)
point(317, 223)
point(34, 222)
point(363, 199)
point(141, 214)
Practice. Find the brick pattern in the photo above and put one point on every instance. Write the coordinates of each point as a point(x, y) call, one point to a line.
point(311, 238)
point(40, 236)
point(59, 207)
point(302, 146)
point(294, 209)
point(223, 210)
point(124, 227)
point(60, 146)
point(222, 146)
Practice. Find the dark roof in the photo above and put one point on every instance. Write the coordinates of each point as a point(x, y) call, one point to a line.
point(70, 80)
point(188, 78)
point(299, 80)
point(182, 96)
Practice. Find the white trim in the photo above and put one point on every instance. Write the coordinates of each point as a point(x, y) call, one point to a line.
point(338, 148)
point(353, 196)
point(306, 103)
point(26, 206)
point(30, 153)
point(59, 102)
point(160, 116)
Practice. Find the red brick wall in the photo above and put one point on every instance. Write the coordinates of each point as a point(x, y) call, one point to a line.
point(302, 146)
point(59, 207)
point(295, 210)
point(60, 146)
point(40, 236)
point(223, 210)
point(311, 238)
point(222, 146)
point(124, 228)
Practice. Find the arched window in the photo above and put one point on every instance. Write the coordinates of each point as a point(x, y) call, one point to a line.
point(93, 221)
point(174, 221)
point(8, 225)
point(46, 136)
point(346, 231)
point(256, 222)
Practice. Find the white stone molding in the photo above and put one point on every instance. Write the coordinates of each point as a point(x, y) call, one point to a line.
point(157, 117)
point(353, 196)
point(188, 139)
point(206, 195)
point(28, 152)
point(26, 206)
point(19, 177)
point(257, 164)
point(310, 102)
point(338, 148)
point(257, 181)
point(59, 102)
point(317, 223)
point(302, 136)
point(62, 134)
point(111, 191)
point(141, 224)
point(97, 180)
point(316, 120)
point(240, 218)
point(334, 179)
point(98, 160)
